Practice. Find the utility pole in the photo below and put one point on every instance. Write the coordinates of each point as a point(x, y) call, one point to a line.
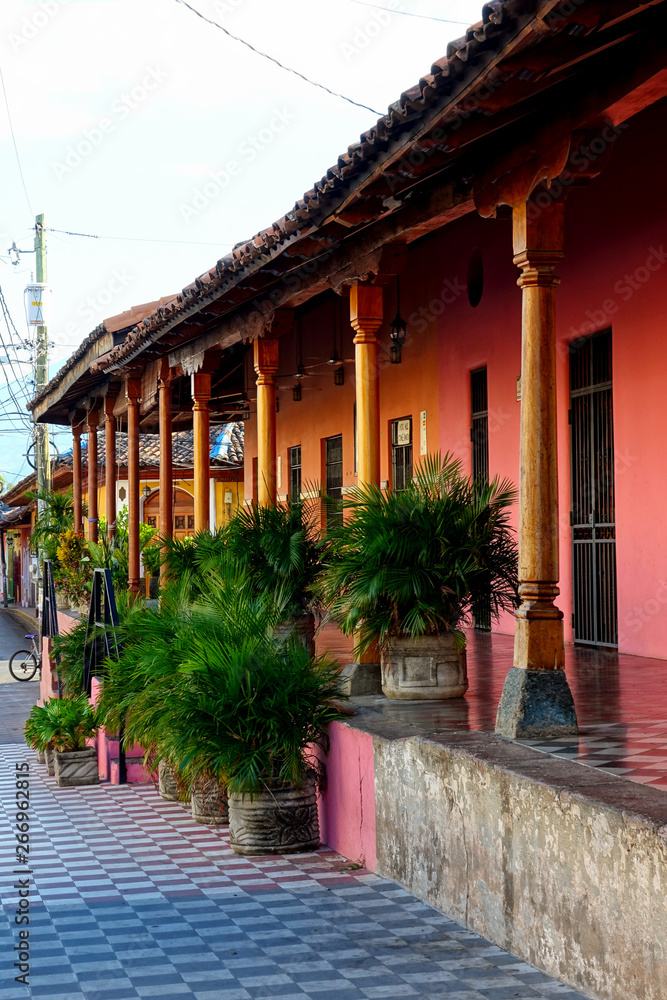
point(41, 369)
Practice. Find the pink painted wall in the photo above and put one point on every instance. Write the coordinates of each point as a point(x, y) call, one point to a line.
point(613, 275)
point(347, 805)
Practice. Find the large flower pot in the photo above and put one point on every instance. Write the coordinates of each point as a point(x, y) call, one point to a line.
point(76, 767)
point(424, 668)
point(167, 786)
point(49, 761)
point(62, 600)
point(302, 628)
point(209, 804)
point(278, 821)
point(40, 756)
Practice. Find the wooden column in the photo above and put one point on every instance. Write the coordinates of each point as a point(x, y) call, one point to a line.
point(201, 393)
point(110, 465)
point(133, 395)
point(536, 698)
point(76, 477)
point(93, 474)
point(366, 319)
point(266, 366)
point(166, 456)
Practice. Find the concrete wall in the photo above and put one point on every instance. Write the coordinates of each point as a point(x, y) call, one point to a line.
point(555, 862)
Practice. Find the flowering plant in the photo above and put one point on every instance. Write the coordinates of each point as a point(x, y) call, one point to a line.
point(75, 576)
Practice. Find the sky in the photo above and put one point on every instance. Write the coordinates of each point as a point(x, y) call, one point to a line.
point(138, 122)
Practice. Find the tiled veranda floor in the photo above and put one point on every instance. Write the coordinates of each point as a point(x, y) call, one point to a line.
point(133, 899)
point(621, 704)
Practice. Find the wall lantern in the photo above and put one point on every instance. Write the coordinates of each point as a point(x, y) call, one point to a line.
point(339, 376)
point(398, 330)
point(146, 491)
point(296, 393)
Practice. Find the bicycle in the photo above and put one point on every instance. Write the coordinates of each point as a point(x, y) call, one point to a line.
point(25, 663)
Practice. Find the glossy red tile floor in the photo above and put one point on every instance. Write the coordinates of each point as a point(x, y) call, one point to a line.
point(621, 704)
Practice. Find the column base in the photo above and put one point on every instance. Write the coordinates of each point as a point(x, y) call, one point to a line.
point(536, 704)
point(361, 678)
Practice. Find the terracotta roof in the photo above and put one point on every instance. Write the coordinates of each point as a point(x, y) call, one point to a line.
point(465, 57)
point(10, 515)
point(114, 325)
point(226, 448)
point(493, 51)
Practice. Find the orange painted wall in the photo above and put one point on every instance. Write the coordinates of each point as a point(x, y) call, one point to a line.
point(326, 410)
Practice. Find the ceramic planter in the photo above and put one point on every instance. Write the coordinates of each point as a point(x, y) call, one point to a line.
point(167, 786)
point(424, 668)
point(209, 804)
point(303, 628)
point(281, 820)
point(76, 767)
point(49, 761)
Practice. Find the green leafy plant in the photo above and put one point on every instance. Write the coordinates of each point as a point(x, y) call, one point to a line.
point(278, 547)
point(69, 648)
point(74, 575)
point(205, 687)
point(111, 552)
point(414, 562)
point(62, 724)
point(55, 517)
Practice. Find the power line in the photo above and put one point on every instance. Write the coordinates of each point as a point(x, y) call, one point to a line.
point(409, 13)
point(276, 62)
point(138, 239)
point(16, 150)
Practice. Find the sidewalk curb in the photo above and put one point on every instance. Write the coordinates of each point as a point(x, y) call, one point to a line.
point(23, 614)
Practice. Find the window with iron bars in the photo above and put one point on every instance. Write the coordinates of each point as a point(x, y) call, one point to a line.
point(479, 438)
point(295, 473)
point(401, 453)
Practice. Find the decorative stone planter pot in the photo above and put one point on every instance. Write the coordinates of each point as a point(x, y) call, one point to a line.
point(166, 784)
point(62, 602)
point(209, 804)
point(303, 628)
point(280, 820)
point(424, 668)
point(84, 610)
point(40, 757)
point(76, 767)
point(49, 761)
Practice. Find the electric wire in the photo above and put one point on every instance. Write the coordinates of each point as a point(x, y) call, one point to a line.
point(409, 13)
point(138, 239)
point(16, 149)
point(276, 62)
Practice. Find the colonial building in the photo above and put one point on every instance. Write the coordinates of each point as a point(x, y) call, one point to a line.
point(514, 199)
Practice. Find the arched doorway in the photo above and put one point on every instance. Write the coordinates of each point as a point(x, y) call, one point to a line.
point(184, 512)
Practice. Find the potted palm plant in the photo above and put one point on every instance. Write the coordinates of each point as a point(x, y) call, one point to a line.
point(65, 725)
point(407, 567)
point(249, 716)
point(278, 548)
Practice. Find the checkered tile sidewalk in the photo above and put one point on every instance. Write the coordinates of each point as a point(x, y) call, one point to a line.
point(133, 899)
point(635, 750)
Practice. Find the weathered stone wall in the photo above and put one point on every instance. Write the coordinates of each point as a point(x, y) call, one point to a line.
point(560, 864)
